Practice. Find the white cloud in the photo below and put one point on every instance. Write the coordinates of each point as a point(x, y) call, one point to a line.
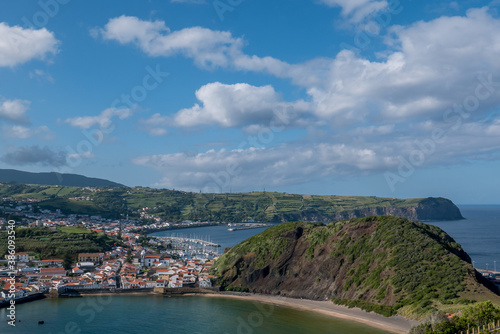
point(104, 119)
point(22, 132)
point(239, 105)
point(220, 170)
point(19, 45)
point(297, 163)
point(208, 48)
point(427, 69)
point(14, 111)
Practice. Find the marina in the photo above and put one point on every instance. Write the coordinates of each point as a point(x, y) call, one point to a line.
point(192, 247)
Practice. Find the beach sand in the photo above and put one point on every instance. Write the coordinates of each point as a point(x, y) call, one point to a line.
point(395, 324)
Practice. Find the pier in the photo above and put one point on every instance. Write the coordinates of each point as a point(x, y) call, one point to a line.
point(246, 226)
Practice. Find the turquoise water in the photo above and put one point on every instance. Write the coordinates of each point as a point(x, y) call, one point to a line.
point(157, 314)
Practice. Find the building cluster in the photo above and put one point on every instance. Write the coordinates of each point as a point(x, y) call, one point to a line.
point(135, 267)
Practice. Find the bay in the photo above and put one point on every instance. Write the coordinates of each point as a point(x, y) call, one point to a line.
point(158, 314)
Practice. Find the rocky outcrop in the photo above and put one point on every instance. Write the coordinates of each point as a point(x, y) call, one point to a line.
point(383, 263)
point(427, 209)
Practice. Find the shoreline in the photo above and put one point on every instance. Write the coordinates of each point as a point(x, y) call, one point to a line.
point(398, 325)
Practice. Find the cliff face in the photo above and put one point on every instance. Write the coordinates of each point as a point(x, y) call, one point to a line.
point(426, 209)
point(376, 262)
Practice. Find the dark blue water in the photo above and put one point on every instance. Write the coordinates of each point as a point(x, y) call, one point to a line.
point(479, 234)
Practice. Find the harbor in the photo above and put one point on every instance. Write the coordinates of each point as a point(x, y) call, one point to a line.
point(190, 247)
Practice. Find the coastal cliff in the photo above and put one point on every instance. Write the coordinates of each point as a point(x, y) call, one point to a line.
point(385, 264)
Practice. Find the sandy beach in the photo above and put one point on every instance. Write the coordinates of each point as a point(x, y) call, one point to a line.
point(394, 324)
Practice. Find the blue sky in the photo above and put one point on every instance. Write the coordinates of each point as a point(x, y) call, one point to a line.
point(358, 97)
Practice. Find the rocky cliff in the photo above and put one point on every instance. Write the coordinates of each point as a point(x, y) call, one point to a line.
point(423, 210)
point(386, 264)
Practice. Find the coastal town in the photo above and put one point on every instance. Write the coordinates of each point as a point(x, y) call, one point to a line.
point(136, 263)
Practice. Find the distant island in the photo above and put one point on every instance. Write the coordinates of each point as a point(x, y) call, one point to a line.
point(385, 264)
point(155, 205)
point(69, 180)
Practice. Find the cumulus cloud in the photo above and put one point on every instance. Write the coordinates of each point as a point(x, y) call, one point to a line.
point(19, 45)
point(34, 155)
point(429, 71)
point(249, 168)
point(14, 111)
point(219, 170)
point(208, 48)
point(239, 105)
point(104, 119)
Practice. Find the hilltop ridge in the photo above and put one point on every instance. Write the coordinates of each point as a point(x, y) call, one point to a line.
point(273, 207)
point(52, 178)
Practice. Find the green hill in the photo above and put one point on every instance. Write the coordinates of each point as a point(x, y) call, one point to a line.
point(258, 206)
point(386, 264)
point(69, 180)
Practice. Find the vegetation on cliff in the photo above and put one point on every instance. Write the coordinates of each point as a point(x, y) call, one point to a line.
point(258, 206)
point(384, 264)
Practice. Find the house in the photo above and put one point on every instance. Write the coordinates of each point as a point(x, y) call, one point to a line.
point(22, 257)
point(77, 270)
point(51, 263)
point(54, 272)
point(90, 257)
point(150, 259)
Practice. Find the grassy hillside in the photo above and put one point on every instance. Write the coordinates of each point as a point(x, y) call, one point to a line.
point(385, 264)
point(258, 206)
point(43, 242)
point(16, 176)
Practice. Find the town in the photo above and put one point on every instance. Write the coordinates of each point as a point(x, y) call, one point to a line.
point(136, 263)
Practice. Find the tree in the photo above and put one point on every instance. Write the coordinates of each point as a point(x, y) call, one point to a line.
point(128, 259)
point(67, 261)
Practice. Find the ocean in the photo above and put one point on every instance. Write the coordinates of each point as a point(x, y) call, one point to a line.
point(479, 235)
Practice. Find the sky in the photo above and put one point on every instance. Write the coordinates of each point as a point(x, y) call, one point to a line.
point(337, 97)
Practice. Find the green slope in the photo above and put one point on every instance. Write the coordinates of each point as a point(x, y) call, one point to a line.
point(385, 264)
point(258, 206)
